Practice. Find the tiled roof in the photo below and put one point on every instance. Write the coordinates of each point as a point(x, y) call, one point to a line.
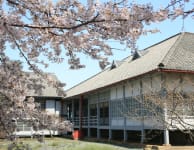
point(176, 52)
point(40, 87)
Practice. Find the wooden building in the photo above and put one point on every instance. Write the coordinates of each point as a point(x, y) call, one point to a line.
point(110, 104)
point(49, 101)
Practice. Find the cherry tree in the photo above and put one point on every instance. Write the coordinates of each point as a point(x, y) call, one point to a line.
point(47, 31)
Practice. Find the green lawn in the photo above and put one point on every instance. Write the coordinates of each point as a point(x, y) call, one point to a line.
point(64, 144)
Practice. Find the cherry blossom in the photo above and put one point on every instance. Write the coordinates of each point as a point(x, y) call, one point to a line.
point(61, 29)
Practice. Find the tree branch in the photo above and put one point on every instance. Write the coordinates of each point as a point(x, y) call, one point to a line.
point(93, 20)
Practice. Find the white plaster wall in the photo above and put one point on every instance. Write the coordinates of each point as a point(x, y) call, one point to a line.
point(156, 83)
point(172, 81)
point(132, 88)
point(150, 83)
point(133, 122)
point(184, 82)
point(128, 90)
point(119, 92)
point(50, 106)
point(136, 87)
point(31, 133)
point(113, 93)
point(147, 84)
point(188, 83)
point(117, 122)
point(116, 92)
point(186, 123)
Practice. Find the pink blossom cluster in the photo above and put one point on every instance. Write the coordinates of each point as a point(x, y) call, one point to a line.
point(46, 31)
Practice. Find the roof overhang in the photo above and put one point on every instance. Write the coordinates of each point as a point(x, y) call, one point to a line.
point(123, 81)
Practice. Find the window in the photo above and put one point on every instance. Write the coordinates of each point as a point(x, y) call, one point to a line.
point(93, 109)
point(117, 108)
point(104, 110)
point(104, 113)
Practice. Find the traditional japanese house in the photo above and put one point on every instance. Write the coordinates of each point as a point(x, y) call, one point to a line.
point(48, 99)
point(110, 104)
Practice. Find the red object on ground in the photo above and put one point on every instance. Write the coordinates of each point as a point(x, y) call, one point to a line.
point(77, 134)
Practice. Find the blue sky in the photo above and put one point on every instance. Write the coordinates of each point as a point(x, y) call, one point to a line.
point(167, 28)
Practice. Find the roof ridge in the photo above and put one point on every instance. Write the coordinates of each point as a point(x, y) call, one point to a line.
point(157, 43)
point(172, 48)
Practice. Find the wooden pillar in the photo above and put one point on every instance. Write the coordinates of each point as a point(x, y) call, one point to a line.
point(125, 119)
point(109, 119)
point(88, 119)
point(166, 132)
point(164, 94)
point(142, 113)
point(72, 113)
point(98, 118)
point(80, 111)
point(61, 114)
point(110, 134)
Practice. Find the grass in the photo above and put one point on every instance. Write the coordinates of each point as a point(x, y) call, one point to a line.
point(62, 144)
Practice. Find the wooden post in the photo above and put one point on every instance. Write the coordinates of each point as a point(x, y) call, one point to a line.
point(80, 111)
point(88, 118)
point(72, 113)
point(109, 119)
point(164, 94)
point(124, 117)
point(166, 132)
point(142, 113)
point(98, 118)
point(62, 112)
